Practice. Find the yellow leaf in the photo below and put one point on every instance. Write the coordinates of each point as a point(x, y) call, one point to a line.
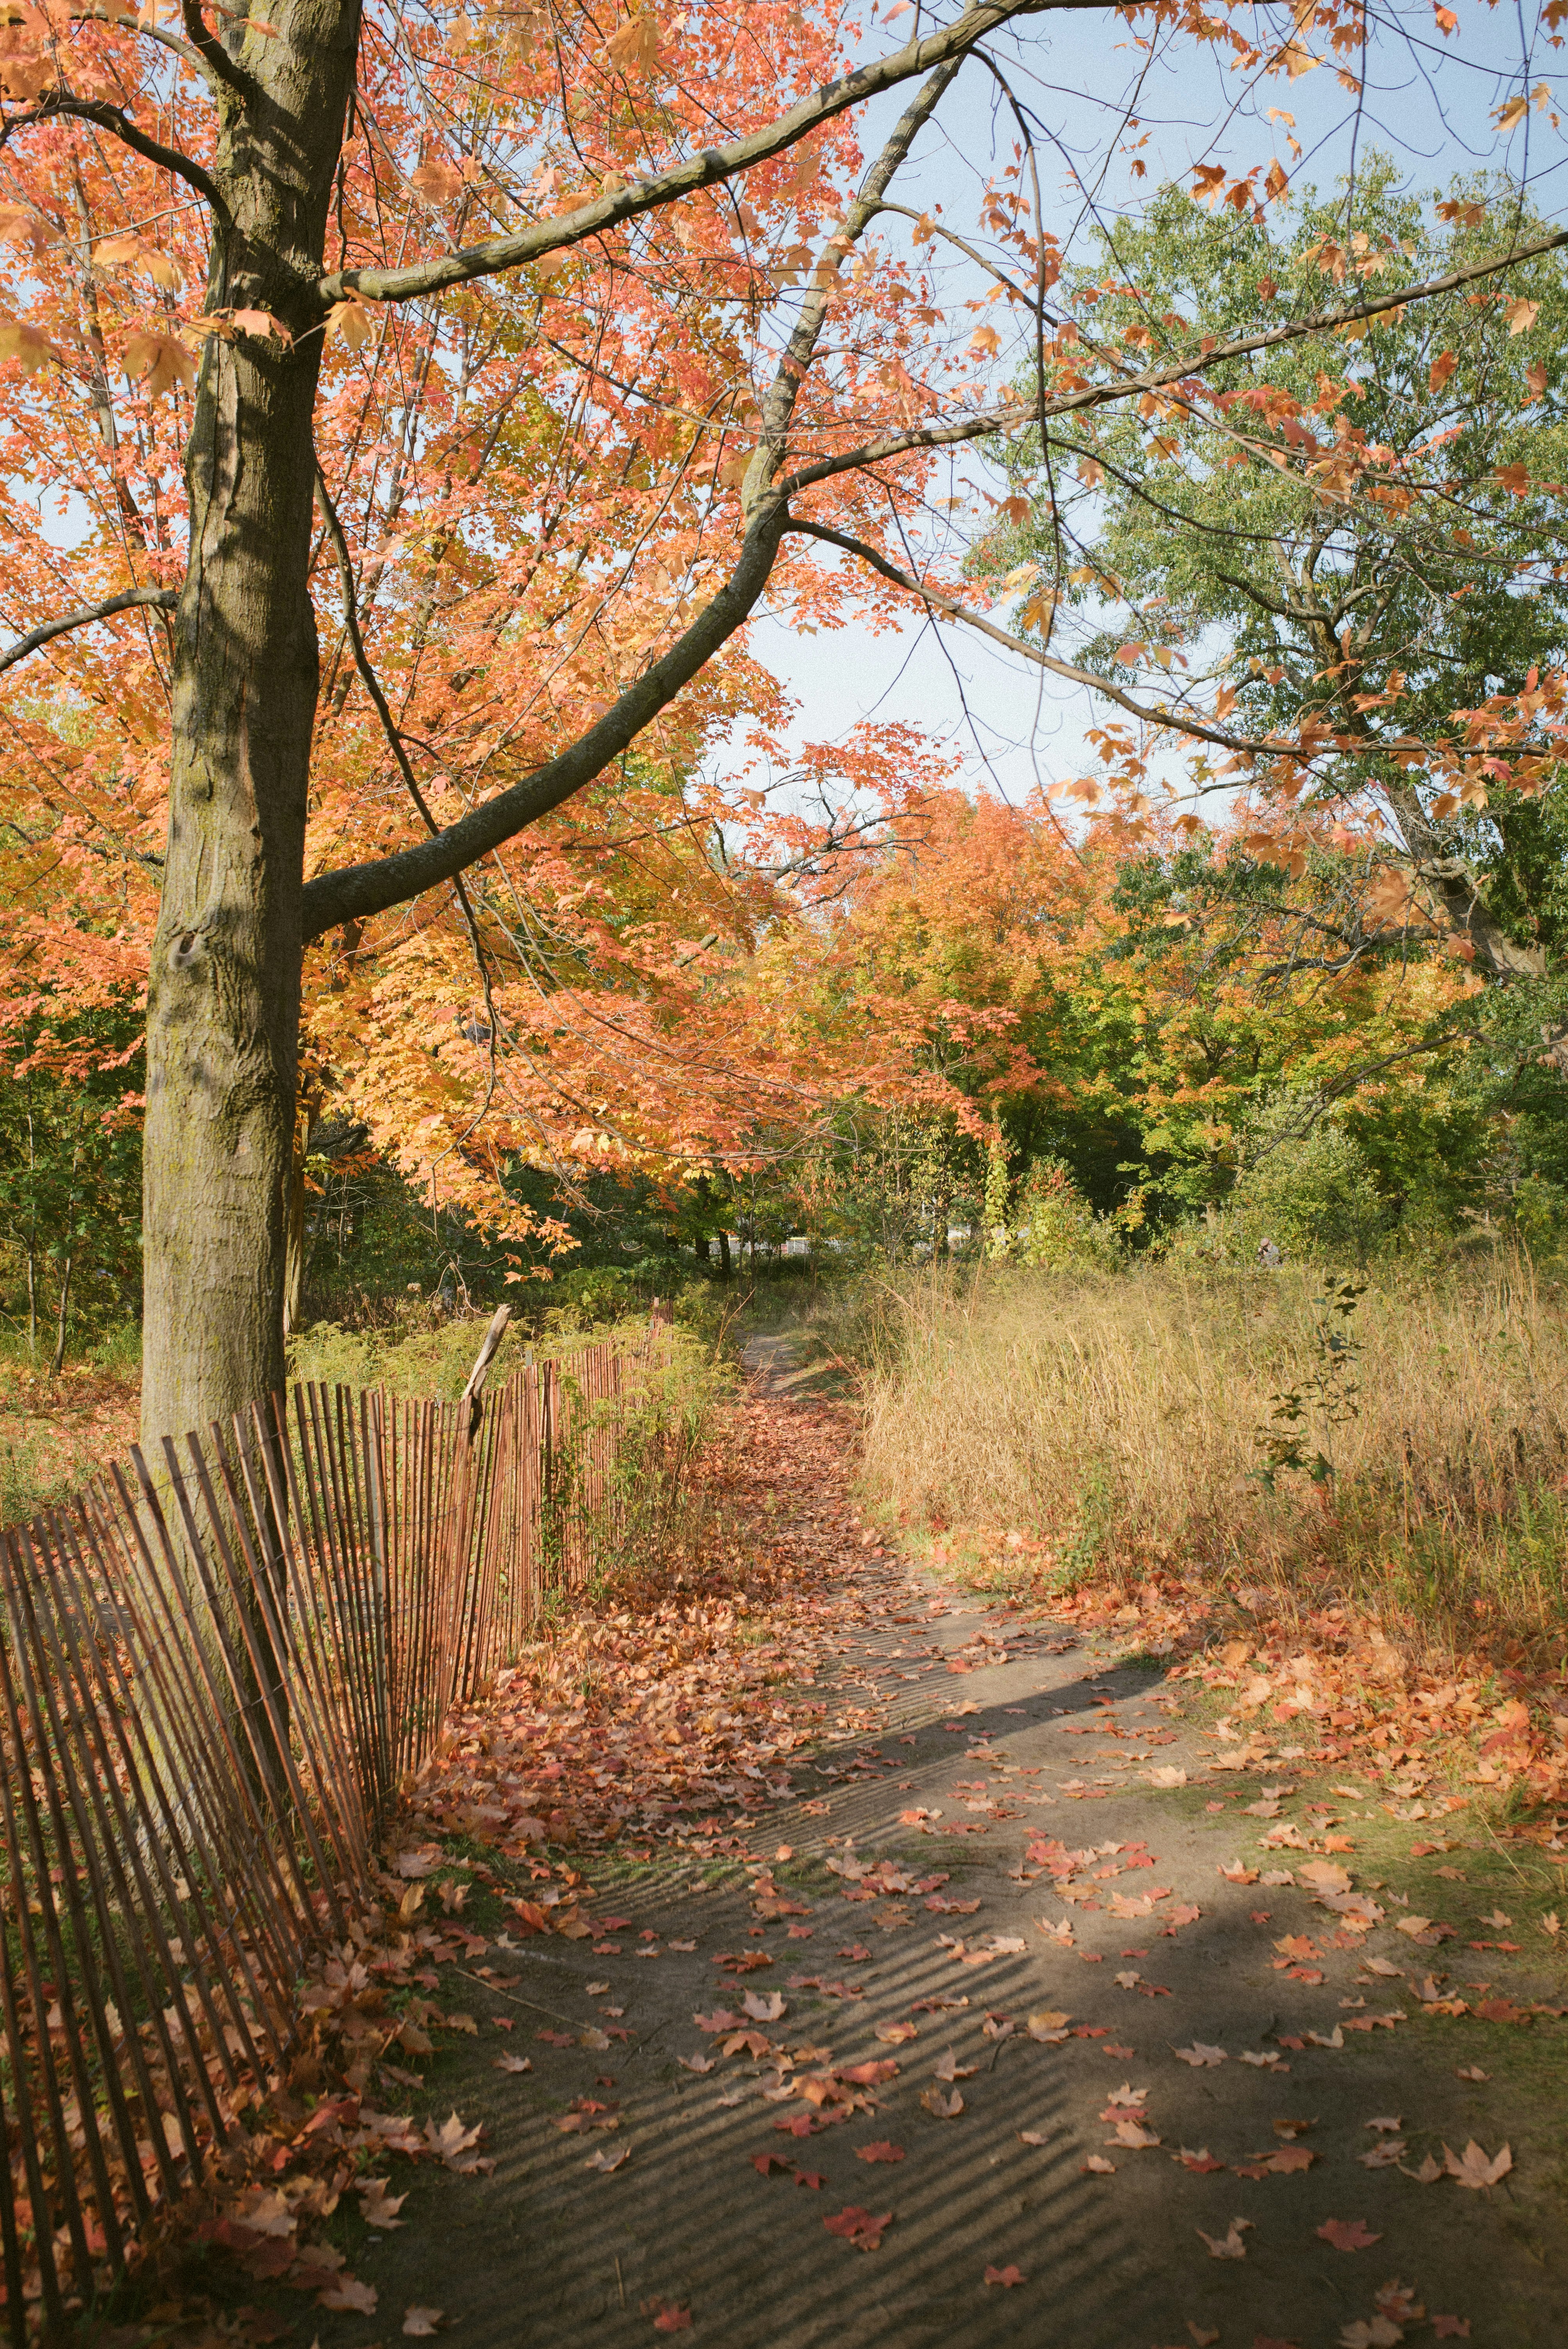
point(352, 320)
point(636, 47)
point(28, 346)
point(437, 182)
point(1508, 117)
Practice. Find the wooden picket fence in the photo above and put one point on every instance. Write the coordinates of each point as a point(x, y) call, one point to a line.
point(218, 1667)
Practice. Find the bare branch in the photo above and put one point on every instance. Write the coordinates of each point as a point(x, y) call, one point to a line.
point(157, 599)
point(1204, 730)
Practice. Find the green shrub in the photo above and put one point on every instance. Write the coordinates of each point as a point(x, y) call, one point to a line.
point(1312, 1194)
point(1055, 1229)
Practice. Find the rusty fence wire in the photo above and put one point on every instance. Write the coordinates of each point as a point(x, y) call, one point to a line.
point(218, 1666)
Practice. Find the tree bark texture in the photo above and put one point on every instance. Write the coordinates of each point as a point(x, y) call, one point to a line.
point(224, 992)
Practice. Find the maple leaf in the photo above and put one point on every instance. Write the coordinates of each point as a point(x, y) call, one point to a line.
point(452, 2139)
point(1451, 2328)
point(1007, 2276)
point(696, 2063)
point(378, 2208)
point(1347, 2234)
point(27, 344)
point(762, 2009)
point(945, 2108)
point(668, 2317)
point(160, 360)
point(636, 47)
point(347, 2293)
point(881, 2151)
point(947, 2067)
point(1228, 2246)
point(420, 2324)
point(1198, 2056)
point(1371, 2333)
point(859, 2227)
point(1098, 2165)
point(894, 2034)
point(1472, 2167)
point(606, 2161)
point(1202, 2163)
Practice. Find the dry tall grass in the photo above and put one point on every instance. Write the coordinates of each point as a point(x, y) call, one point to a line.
point(1124, 1422)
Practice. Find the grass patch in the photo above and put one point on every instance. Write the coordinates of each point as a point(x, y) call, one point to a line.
point(1402, 1445)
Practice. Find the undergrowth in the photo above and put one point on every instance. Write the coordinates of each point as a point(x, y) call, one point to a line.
point(1400, 1445)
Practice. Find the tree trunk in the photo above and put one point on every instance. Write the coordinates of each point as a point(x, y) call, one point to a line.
point(58, 1364)
point(224, 989)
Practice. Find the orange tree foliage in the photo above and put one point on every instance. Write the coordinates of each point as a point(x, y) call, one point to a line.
point(1129, 1002)
point(606, 339)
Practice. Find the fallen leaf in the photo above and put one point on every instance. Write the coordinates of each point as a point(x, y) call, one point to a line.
point(859, 2227)
point(762, 2009)
point(894, 2034)
point(1198, 2056)
point(1472, 2167)
point(1451, 2328)
point(1228, 2246)
point(698, 2064)
point(347, 2293)
point(881, 2151)
point(1347, 2234)
point(605, 2161)
point(1372, 2332)
point(667, 2317)
point(1007, 2276)
point(1099, 2166)
point(509, 2063)
point(1471, 2072)
point(420, 2324)
point(945, 2108)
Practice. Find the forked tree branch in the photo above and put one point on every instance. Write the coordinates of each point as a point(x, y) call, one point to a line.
point(360, 890)
point(157, 599)
point(372, 684)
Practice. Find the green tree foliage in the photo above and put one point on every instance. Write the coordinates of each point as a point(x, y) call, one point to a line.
point(1225, 536)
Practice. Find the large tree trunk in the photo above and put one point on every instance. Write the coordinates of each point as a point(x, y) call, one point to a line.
point(223, 1004)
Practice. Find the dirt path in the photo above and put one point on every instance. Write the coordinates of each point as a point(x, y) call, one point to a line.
point(905, 1906)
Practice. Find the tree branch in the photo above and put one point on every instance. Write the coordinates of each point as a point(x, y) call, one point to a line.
point(360, 890)
point(372, 684)
point(713, 164)
point(158, 599)
point(1202, 729)
point(209, 49)
point(118, 124)
point(1098, 394)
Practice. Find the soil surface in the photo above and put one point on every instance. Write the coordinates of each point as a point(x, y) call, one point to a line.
point(1034, 2119)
